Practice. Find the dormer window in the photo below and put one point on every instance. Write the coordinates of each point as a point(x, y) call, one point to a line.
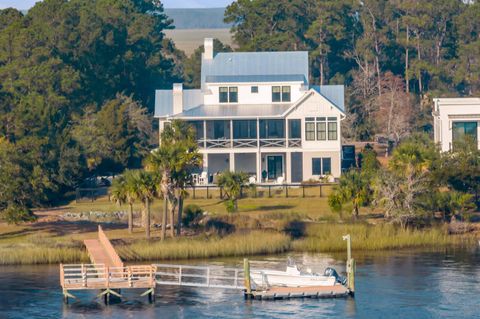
point(280, 93)
point(228, 94)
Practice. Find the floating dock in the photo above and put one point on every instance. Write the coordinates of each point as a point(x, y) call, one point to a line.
point(110, 276)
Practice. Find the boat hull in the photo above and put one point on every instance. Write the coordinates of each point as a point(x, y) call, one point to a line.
point(283, 279)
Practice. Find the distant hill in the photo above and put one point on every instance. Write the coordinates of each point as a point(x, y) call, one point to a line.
point(196, 18)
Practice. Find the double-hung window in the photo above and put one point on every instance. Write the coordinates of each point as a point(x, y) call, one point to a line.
point(281, 94)
point(321, 166)
point(321, 129)
point(310, 129)
point(228, 94)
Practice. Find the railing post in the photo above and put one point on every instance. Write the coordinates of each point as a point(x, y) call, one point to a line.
point(207, 191)
point(84, 275)
point(303, 191)
point(320, 190)
point(269, 191)
point(129, 274)
point(286, 190)
point(193, 188)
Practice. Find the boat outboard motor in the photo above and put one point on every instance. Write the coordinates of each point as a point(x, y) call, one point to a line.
point(330, 272)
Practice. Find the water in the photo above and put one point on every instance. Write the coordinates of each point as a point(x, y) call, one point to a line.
point(403, 284)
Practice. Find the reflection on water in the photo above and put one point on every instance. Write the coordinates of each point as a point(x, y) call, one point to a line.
point(407, 284)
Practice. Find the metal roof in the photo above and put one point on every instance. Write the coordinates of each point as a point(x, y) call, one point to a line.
point(255, 78)
point(235, 111)
point(164, 101)
point(334, 93)
point(255, 63)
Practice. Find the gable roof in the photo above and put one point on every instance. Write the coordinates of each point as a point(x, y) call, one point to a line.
point(164, 101)
point(334, 93)
point(256, 64)
point(255, 78)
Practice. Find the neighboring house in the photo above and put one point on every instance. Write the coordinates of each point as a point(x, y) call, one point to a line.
point(256, 112)
point(455, 118)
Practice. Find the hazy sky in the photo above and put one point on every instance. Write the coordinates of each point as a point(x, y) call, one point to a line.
point(26, 4)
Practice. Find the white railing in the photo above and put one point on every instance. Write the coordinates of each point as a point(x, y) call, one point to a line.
point(244, 142)
point(218, 143)
point(272, 142)
point(294, 142)
point(199, 276)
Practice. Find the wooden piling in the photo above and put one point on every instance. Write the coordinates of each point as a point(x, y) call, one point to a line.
point(246, 271)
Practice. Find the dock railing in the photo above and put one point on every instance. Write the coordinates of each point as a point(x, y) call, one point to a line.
point(95, 276)
point(109, 249)
point(199, 276)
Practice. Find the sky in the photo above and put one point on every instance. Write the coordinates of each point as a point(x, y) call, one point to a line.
point(27, 4)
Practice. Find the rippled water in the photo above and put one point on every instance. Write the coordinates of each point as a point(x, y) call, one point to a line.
point(403, 284)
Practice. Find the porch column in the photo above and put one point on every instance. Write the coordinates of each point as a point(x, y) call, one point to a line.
point(205, 162)
point(231, 133)
point(231, 161)
point(204, 134)
point(288, 167)
point(259, 166)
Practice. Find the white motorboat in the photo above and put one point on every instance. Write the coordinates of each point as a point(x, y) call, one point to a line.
point(294, 277)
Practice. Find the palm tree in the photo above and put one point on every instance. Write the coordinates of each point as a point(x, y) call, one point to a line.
point(123, 193)
point(144, 187)
point(175, 160)
point(353, 187)
point(232, 184)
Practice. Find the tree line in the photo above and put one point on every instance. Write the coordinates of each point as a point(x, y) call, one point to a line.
point(393, 56)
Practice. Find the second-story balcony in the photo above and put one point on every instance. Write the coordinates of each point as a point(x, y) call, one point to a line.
point(264, 133)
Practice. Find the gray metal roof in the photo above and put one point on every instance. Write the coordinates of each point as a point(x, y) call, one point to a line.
point(255, 78)
point(164, 101)
point(235, 111)
point(334, 93)
point(256, 63)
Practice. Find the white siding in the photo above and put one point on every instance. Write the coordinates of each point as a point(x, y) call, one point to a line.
point(245, 96)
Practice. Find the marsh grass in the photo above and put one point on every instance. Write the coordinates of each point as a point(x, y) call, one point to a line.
point(41, 250)
point(328, 237)
point(254, 243)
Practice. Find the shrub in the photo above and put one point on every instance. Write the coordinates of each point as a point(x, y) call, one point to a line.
point(16, 214)
point(191, 215)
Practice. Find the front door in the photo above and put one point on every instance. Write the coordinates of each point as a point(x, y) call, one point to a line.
point(274, 166)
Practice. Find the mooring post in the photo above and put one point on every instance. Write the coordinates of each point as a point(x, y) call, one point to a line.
point(350, 265)
point(246, 271)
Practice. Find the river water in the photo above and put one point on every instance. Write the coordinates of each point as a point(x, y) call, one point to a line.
point(405, 284)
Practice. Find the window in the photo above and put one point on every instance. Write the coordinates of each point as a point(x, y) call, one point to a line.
point(310, 129)
point(276, 97)
point(321, 129)
point(198, 127)
point(316, 166)
point(462, 130)
point(326, 166)
point(295, 128)
point(285, 94)
point(245, 129)
point(228, 94)
point(281, 94)
point(254, 89)
point(233, 94)
point(332, 130)
point(272, 128)
point(321, 166)
point(223, 95)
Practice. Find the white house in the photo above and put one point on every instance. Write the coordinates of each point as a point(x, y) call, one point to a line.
point(256, 112)
point(455, 118)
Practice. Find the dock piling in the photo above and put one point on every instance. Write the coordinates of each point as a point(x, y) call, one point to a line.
point(246, 270)
point(350, 265)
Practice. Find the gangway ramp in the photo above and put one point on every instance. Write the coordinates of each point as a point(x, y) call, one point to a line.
point(101, 251)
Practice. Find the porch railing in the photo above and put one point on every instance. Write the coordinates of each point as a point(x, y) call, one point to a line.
point(249, 143)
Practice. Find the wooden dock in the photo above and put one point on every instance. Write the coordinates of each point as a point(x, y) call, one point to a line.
point(108, 274)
